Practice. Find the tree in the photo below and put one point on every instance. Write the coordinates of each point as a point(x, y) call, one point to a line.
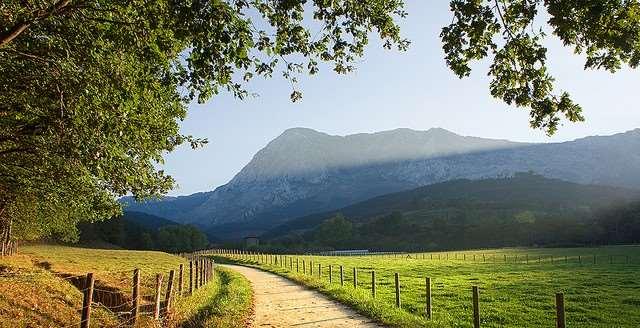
point(606, 31)
point(92, 91)
point(180, 238)
point(334, 231)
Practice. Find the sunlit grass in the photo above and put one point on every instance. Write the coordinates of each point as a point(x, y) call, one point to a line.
point(113, 267)
point(226, 303)
point(518, 292)
point(35, 290)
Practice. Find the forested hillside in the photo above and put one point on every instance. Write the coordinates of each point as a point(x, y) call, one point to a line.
point(523, 210)
point(135, 230)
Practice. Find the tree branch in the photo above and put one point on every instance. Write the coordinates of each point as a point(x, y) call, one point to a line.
point(16, 150)
point(16, 30)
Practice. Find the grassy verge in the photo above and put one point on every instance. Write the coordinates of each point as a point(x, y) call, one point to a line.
point(31, 296)
point(225, 303)
point(39, 288)
point(514, 293)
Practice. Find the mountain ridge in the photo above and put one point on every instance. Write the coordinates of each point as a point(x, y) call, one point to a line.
point(303, 171)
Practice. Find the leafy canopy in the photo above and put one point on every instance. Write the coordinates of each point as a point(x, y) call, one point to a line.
point(607, 32)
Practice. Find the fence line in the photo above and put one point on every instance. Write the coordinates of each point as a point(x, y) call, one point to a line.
point(130, 310)
point(270, 260)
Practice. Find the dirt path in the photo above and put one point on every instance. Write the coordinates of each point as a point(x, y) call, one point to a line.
point(281, 303)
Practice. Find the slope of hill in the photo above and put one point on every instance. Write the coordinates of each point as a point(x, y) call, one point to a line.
point(167, 207)
point(517, 211)
point(42, 287)
point(304, 171)
point(145, 220)
point(523, 191)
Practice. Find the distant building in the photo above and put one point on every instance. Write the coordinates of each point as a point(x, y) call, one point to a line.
point(251, 241)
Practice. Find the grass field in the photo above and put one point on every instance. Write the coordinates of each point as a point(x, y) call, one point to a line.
point(36, 288)
point(517, 286)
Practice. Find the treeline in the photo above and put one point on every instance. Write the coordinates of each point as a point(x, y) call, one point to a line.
point(144, 232)
point(463, 229)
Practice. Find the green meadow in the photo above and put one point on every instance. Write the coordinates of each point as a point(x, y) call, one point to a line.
point(517, 286)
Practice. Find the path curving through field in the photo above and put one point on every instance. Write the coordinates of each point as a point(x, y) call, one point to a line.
point(280, 303)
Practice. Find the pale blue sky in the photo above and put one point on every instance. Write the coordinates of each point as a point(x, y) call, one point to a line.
point(389, 90)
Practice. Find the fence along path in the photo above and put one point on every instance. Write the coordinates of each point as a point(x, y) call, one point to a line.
point(128, 311)
point(282, 303)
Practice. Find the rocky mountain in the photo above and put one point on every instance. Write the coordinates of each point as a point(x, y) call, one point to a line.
point(304, 171)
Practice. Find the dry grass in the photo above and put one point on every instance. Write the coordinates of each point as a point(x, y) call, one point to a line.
point(40, 287)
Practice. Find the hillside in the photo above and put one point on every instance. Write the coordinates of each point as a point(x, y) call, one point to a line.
point(145, 220)
point(304, 171)
point(41, 287)
point(444, 215)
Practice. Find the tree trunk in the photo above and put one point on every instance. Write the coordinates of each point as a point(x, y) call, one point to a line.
point(5, 233)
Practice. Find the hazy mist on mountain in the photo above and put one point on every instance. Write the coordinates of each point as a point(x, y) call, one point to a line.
point(304, 171)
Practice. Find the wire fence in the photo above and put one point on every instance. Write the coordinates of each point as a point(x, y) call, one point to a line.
point(120, 307)
point(337, 273)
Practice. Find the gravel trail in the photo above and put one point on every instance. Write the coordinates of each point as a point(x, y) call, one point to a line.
point(280, 303)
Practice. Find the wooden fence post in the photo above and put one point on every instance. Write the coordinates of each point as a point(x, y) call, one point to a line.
point(203, 279)
point(341, 276)
point(86, 301)
point(135, 295)
point(207, 271)
point(304, 267)
point(156, 306)
point(180, 279)
point(428, 303)
point(201, 272)
point(297, 265)
point(355, 277)
point(311, 268)
point(196, 273)
point(397, 280)
point(190, 277)
point(167, 296)
point(560, 319)
point(476, 307)
point(207, 267)
point(373, 283)
point(319, 270)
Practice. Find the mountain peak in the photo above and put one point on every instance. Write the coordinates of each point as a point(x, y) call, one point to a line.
point(300, 132)
point(303, 151)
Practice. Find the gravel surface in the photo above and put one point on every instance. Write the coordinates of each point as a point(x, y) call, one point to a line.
point(282, 303)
